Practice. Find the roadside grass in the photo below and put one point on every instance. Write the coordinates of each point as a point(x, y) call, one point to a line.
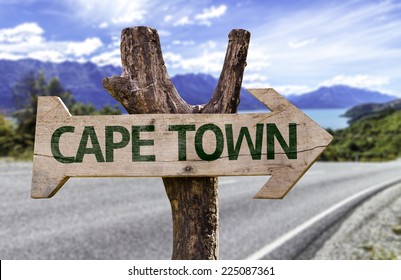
point(376, 252)
point(379, 253)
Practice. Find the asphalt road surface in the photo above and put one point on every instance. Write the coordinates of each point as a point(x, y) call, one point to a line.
point(124, 218)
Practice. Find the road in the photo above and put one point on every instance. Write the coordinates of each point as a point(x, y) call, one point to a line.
point(107, 218)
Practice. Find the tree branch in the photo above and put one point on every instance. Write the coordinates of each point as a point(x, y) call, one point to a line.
point(144, 86)
point(226, 96)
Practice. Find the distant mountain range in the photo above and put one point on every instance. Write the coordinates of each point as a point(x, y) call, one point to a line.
point(338, 96)
point(84, 81)
point(198, 89)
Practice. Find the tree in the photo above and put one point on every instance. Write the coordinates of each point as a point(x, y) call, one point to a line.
point(6, 137)
point(55, 88)
point(23, 90)
point(80, 109)
point(110, 110)
point(25, 94)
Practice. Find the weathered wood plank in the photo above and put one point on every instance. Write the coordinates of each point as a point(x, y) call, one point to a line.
point(283, 143)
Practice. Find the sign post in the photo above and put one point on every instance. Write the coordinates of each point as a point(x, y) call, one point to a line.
point(185, 147)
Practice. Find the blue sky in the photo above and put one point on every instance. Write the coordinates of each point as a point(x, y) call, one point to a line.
point(296, 46)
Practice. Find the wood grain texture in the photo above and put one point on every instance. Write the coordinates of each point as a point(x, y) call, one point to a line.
point(144, 86)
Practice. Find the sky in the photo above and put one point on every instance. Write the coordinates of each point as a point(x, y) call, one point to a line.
point(296, 46)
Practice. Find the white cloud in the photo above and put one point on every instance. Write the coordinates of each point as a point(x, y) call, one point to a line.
point(301, 43)
point(255, 77)
point(172, 60)
point(324, 41)
point(207, 57)
point(296, 48)
point(127, 18)
point(207, 14)
point(254, 80)
point(47, 55)
point(292, 89)
point(168, 18)
point(209, 45)
point(184, 43)
point(202, 18)
point(212, 12)
point(258, 59)
point(163, 32)
point(27, 41)
point(361, 81)
point(206, 63)
point(108, 58)
point(11, 56)
point(29, 32)
point(103, 25)
point(183, 21)
point(86, 47)
point(258, 80)
point(210, 62)
point(119, 12)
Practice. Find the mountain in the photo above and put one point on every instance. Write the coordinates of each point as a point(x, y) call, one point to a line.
point(339, 96)
point(84, 81)
point(372, 110)
point(198, 89)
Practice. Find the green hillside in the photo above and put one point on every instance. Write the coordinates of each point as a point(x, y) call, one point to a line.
point(375, 139)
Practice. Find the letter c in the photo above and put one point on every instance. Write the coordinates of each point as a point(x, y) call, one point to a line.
point(55, 144)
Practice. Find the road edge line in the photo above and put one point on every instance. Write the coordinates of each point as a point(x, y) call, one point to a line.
point(267, 249)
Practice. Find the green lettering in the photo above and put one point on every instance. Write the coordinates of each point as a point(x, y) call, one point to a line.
point(255, 150)
point(55, 144)
point(111, 145)
point(182, 139)
point(273, 132)
point(137, 142)
point(199, 142)
point(89, 132)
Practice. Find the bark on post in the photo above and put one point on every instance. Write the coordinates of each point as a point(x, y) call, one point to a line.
point(145, 87)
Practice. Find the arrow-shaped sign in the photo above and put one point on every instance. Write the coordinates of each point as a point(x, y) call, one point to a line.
point(283, 144)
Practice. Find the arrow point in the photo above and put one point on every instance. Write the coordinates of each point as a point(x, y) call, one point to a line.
point(282, 180)
point(45, 181)
point(286, 176)
point(46, 187)
point(274, 189)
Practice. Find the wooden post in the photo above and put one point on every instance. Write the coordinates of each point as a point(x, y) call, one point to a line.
point(145, 87)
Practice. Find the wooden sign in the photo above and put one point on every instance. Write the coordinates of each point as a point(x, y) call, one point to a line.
point(283, 143)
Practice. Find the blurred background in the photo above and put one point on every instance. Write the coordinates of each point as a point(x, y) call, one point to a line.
point(338, 61)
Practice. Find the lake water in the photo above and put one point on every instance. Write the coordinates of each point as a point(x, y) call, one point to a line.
point(326, 118)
